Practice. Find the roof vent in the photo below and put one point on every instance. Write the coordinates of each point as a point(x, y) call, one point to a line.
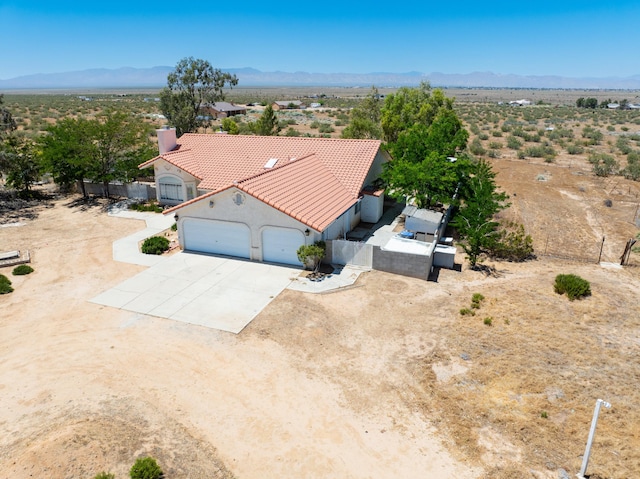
point(271, 163)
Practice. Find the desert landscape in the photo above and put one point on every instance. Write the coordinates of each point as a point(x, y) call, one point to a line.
point(382, 379)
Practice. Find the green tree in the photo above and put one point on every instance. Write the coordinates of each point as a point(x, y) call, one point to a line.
point(230, 126)
point(365, 118)
point(474, 220)
point(267, 124)
point(7, 126)
point(426, 166)
point(20, 163)
point(7, 123)
point(120, 142)
point(66, 152)
point(190, 86)
point(409, 106)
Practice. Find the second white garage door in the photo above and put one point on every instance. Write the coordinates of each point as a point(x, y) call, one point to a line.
point(280, 245)
point(217, 237)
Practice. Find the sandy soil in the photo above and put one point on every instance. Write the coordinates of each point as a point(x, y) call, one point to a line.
point(87, 388)
point(383, 379)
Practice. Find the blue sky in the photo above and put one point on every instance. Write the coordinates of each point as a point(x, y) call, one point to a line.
point(568, 38)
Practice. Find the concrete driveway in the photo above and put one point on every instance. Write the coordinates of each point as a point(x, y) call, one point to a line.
point(211, 291)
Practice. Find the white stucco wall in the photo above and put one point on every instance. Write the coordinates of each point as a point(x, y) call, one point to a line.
point(251, 212)
point(342, 225)
point(376, 167)
point(372, 208)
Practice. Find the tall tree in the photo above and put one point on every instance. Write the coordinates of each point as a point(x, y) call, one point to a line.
point(267, 124)
point(107, 148)
point(20, 163)
point(7, 123)
point(118, 138)
point(190, 86)
point(7, 126)
point(67, 150)
point(426, 166)
point(474, 220)
point(365, 118)
point(409, 106)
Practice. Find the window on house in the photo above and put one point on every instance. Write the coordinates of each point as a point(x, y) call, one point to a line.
point(358, 205)
point(171, 189)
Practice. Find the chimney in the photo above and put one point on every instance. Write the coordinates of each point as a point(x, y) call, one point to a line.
point(166, 139)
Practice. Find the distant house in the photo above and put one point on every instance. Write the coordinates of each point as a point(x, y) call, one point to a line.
point(222, 109)
point(522, 102)
point(613, 106)
point(288, 105)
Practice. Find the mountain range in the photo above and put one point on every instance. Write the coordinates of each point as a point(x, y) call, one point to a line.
point(156, 77)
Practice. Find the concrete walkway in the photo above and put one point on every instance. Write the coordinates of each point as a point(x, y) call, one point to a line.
point(212, 291)
point(126, 249)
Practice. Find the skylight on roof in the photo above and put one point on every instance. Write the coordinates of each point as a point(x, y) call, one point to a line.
point(271, 163)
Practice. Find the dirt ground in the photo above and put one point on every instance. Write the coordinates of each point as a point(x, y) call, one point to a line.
point(383, 379)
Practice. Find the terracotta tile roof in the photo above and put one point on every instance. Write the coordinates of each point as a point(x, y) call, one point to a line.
point(304, 189)
point(335, 165)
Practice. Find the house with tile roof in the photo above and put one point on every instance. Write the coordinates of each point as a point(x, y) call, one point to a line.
point(262, 197)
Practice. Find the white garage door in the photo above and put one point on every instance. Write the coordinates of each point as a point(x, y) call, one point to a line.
point(280, 245)
point(217, 237)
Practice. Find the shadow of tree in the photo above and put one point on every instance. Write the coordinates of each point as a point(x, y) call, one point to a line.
point(14, 208)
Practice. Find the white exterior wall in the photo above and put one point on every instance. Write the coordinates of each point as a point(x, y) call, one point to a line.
point(342, 225)
point(252, 212)
point(372, 208)
point(376, 168)
point(164, 169)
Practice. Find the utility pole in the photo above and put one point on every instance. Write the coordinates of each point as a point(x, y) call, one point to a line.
point(601, 247)
point(592, 433)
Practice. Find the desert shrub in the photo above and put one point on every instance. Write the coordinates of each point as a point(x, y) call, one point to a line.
point(5, 285)
point(155, 245)
point(483, 136)
point(540, 151)
point(512, 244)
point(572, 285)
point(624, 145)
point(513, 143)
point(467, 312)
point(153, 207)
point(632, 170)
point(488, 321)
point(603, 164)
point(477, 298)
point(496, 133)
point(574, 149)
point(594, 136)
point(104, 475)
point(495, 145)
point(315, 124)
point(145, 468)
point(22, 270)
point(292, 132)
point(326, 128)
point(174, 227)
point(476, 147)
